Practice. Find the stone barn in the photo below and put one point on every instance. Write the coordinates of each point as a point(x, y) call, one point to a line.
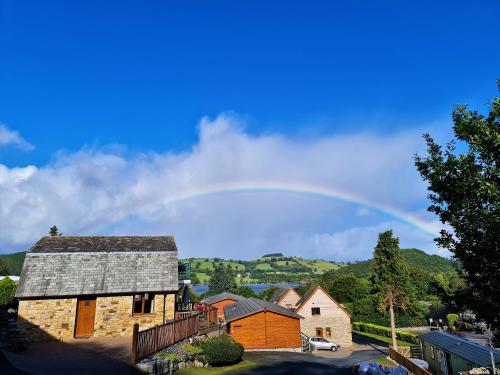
point(96, 286)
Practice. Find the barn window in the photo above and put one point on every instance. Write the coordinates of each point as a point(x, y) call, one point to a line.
point(315, 311)
point(143, 303)
point(328, 332)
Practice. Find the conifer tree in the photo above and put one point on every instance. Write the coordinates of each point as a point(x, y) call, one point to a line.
point(389, 277)
point(221, 280)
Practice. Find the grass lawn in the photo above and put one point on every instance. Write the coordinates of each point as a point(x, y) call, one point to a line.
point(202, 276)
point(385, 339)
point(385, 362)
point(233, 369)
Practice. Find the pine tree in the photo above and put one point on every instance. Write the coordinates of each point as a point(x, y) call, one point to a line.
point(221, 280)
point(53, 231)
point(389, 277)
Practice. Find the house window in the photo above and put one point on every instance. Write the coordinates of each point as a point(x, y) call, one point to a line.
point(315, 311)
point(143, 303)
point(319, 332)
point(328, 332)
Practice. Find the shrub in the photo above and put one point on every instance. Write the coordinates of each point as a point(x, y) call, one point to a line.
point(169, 356)
point(7, 291)
point(221, 350)
point(386, 331)
point(452, 320)
point(191, 349)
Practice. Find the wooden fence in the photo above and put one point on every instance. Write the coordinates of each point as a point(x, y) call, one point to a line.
point(152, 340)
point(405, 362)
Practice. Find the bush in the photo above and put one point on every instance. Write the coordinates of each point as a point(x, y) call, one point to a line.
point(7, 291)
point(452, 320)
point(221, 350)
point(386, 331)
point(169, 356)
point(191, 349)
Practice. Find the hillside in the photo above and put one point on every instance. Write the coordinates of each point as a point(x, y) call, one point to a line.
point(270, 268)
point(414, 257)
point(14, 262)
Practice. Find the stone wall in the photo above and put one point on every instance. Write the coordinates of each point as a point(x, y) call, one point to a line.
point(114, 317)
point(55, 319)
point(50, 319)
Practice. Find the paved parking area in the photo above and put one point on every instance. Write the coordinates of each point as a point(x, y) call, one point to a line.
point(82, 356)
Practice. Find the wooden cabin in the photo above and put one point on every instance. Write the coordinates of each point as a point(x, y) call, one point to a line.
point(324, 317)
point(221, 300)
point(96, 286)
point(260, 325)
point(286, 297)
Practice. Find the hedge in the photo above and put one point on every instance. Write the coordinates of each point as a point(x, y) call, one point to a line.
point(221, 350)
point(385, 331)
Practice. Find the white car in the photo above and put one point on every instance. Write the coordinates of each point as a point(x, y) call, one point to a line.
point(322, 343)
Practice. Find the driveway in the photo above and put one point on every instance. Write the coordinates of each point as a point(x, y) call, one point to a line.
point(82, 356)
point(317, 362)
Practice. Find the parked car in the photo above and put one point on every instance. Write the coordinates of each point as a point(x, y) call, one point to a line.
point(322, 343)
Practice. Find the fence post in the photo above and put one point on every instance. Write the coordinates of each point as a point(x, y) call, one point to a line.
point(135, 332)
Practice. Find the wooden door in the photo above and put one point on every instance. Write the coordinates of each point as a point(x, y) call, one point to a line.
point(85, 316)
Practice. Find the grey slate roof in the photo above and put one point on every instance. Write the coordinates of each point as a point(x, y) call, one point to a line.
point(466, 349)
point(77, 244)
point(72, 266)
point(221, 297)
point(250, 306)
point(279, 294)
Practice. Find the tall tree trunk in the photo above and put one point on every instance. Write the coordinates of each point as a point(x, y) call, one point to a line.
point(393, 323)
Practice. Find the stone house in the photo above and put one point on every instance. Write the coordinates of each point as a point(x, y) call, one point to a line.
point(286, 297)
point(325, 317)
point(96, 286)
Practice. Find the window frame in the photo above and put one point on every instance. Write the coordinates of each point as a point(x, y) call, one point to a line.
point(328, 332)
point(151, 297)
point(314, 309)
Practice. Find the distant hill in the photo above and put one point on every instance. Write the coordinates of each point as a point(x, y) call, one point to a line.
point(14, 262)
point(414, 257)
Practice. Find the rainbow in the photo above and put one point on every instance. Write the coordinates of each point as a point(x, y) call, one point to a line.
point(300, 188)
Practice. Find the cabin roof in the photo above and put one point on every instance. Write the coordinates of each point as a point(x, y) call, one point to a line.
point(221, 297)
point(279, 294)
point(72, 266)
point(463, 348)
point(250, 306)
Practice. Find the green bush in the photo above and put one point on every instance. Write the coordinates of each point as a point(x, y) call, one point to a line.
point(386, 331)
point(170, 356)
point(191, 349)
point(221, 350)
point(7, 291)
point(452, 320)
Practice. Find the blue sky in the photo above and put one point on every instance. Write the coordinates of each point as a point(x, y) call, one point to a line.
point(130, 79)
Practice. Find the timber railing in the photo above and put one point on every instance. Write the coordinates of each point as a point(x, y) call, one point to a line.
point(152, 340)
point(406, 362)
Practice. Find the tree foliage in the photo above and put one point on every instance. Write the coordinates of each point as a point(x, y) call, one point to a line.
point(221, 280)
point(4, 271)
point(347, 288)
point(7, 291)
point(464, 186)
point(389, 277)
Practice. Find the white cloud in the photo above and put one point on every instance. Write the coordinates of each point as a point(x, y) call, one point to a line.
point(12, 137)
point(95, 191)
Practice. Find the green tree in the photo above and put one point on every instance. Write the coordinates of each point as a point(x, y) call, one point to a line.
point(464, 186)
point(245, 291)
point(53, 231)
point(221, 280)
point(389, 277)
point(347, 288)
point(7, 291)
point(4, 271)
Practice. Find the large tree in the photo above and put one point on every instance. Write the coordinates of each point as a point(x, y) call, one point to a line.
point(464, 186)
point(221, 280)
point(389, 277)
